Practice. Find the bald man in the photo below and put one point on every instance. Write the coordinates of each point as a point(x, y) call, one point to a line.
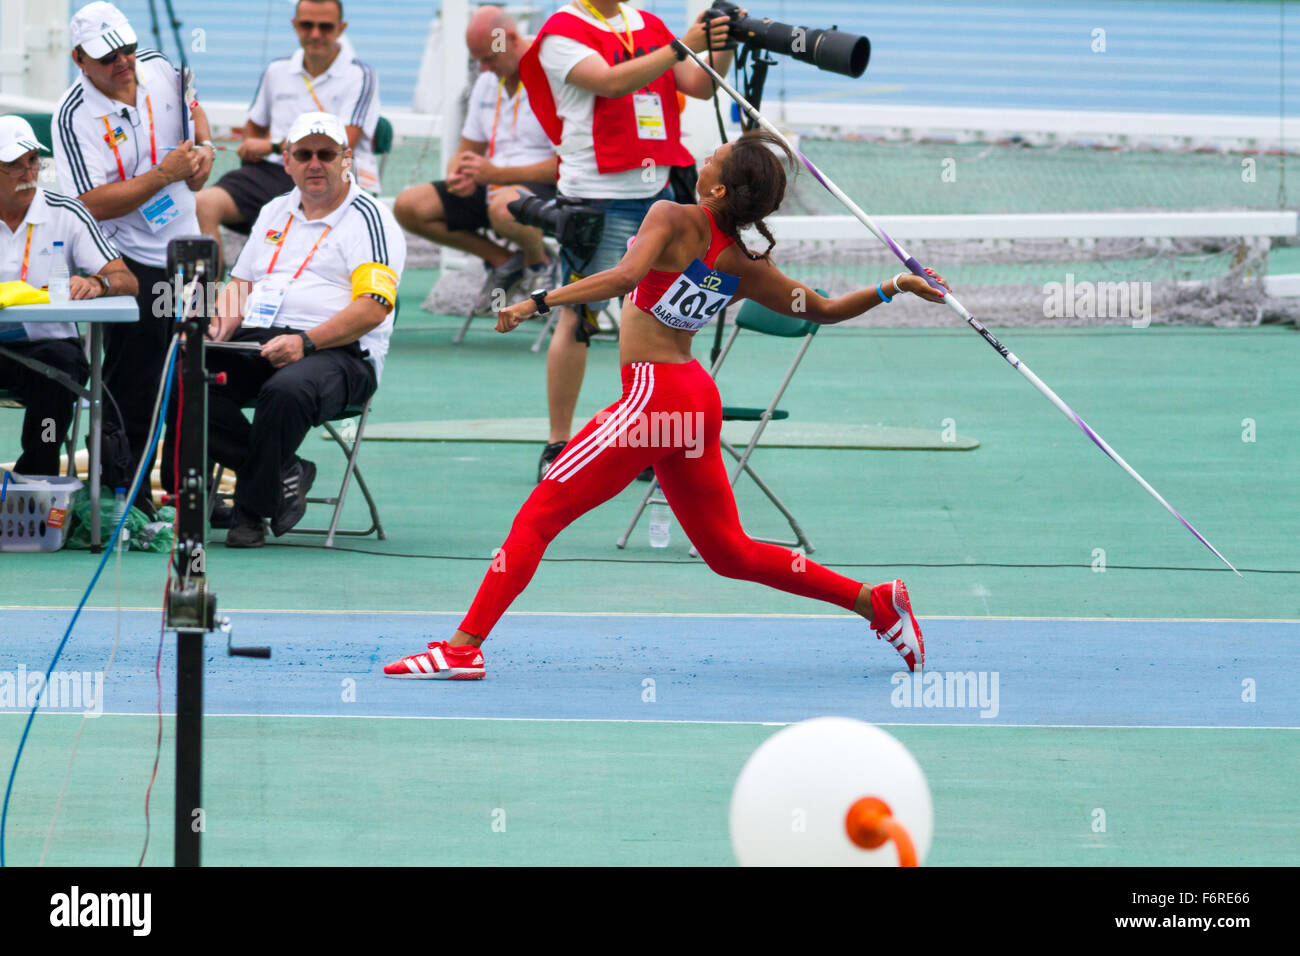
point(502, 147)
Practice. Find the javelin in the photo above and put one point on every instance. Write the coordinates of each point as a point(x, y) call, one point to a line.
point(917, 269)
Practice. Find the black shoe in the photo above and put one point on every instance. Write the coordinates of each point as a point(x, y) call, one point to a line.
point(223, 513)
point(647, 475)
point(246, 530)
point(296, 483)
point(549, 454)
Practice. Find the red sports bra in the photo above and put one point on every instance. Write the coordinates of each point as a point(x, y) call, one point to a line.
point(656, 283)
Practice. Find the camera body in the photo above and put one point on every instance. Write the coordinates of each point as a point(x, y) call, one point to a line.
point(575, 223)
point(830, 50)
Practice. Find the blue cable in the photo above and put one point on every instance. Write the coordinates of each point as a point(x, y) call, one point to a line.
point(117, 538)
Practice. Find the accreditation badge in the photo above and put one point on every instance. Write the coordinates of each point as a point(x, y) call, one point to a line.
point(649, 116)
point(263, 303)
point(160, 210)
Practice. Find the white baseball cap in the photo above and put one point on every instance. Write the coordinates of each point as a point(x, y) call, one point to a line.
point(326, 124)
point(17, 138)
point(99, 29)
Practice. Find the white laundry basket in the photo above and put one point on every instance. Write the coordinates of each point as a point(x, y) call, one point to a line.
point(36, 512)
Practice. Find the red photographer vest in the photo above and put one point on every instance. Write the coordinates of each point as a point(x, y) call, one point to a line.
point(618, 147)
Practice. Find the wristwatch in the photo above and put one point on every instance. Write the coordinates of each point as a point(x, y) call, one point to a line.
point(679, 49)
point(308, 346)
point(103, 280)
point(539, 297)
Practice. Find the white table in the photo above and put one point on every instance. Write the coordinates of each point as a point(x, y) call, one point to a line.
point(94, 312)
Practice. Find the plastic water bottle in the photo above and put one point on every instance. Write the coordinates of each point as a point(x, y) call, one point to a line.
point(661, 525)
point(119, 509)
point(58, 281)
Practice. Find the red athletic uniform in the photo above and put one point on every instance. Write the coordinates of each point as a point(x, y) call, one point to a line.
point(614, 447)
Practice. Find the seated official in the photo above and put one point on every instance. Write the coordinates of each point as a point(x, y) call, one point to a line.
point(323, 75)
point(502, 147)
point(316, 285)
point(31, 221)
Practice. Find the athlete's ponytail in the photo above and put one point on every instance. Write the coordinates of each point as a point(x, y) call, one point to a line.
point(755, 179)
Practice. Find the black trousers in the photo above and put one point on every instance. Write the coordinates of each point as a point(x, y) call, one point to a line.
point(133, 361)
point(290, 401)
point(49, 404)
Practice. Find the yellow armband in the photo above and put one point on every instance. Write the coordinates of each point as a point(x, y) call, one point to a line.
point(375, 278)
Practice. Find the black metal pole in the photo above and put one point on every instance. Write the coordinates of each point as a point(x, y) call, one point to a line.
point(191, 608)
point(189, 748)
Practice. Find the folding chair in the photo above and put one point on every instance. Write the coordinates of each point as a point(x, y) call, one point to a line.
point(351, 454)
point(755, 318)
point(351, 451)
point(381, 144)
point(553, 251)
point(609, 328)
point(10, 399)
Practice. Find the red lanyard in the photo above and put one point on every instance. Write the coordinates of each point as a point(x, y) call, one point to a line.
point(496, 114)
point(284, 237)
point(112, 141)
point(27, 250)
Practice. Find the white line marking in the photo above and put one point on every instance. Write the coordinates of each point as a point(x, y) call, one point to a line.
point(702, 614)
point(619, 720)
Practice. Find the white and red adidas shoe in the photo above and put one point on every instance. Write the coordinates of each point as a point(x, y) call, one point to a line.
point(893, 620)
point(442, 661)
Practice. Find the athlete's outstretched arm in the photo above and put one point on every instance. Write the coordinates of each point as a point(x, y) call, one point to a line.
point(652, 239)
point(768, 286)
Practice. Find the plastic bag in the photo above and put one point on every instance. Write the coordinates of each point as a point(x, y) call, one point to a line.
point(154, 536)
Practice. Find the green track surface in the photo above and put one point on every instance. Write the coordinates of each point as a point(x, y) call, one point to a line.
point(343, 792)
point(975, 534)
point(1036, 492)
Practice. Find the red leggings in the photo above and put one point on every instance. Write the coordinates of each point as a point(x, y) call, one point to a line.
point(670, 416)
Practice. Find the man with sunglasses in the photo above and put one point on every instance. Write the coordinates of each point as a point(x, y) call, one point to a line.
point(323, 75)
point(31, 221)
point(315, 288)
point(118, 147)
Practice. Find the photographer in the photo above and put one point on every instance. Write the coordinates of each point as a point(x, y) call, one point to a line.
point(603, 80)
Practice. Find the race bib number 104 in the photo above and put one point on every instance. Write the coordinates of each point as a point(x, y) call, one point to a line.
point(695, 297)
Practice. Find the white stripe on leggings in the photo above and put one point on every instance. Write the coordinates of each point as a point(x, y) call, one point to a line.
point(642, 390)
point(573, 451)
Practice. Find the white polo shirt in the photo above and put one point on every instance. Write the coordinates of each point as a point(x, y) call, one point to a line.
point(361, 230)
point(84, 158)
point(51, 218)
point(349, 89)
point(520, 139)
point(578, 173)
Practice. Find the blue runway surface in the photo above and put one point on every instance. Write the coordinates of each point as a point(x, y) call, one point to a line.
point(701, 668)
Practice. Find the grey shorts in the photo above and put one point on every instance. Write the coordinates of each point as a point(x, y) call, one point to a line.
point(622, 220)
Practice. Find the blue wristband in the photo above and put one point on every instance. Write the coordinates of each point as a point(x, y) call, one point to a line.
point(881, 292)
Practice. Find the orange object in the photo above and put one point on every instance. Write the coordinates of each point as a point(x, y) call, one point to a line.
point(870, 823)
point(681, 101)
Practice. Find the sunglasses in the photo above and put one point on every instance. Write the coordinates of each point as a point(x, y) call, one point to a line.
point(324, 26)
point(112, 56)
point(324, 155)
point(22, 165)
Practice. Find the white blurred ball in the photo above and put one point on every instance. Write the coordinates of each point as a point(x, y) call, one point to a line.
point(792, 796)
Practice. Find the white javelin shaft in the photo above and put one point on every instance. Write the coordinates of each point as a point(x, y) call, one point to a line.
point(956, 306)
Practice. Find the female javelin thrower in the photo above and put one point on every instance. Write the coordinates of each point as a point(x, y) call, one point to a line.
point(684, 264)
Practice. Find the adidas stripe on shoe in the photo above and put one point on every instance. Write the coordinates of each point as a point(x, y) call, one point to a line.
point(892, 620)
point(442, 661)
